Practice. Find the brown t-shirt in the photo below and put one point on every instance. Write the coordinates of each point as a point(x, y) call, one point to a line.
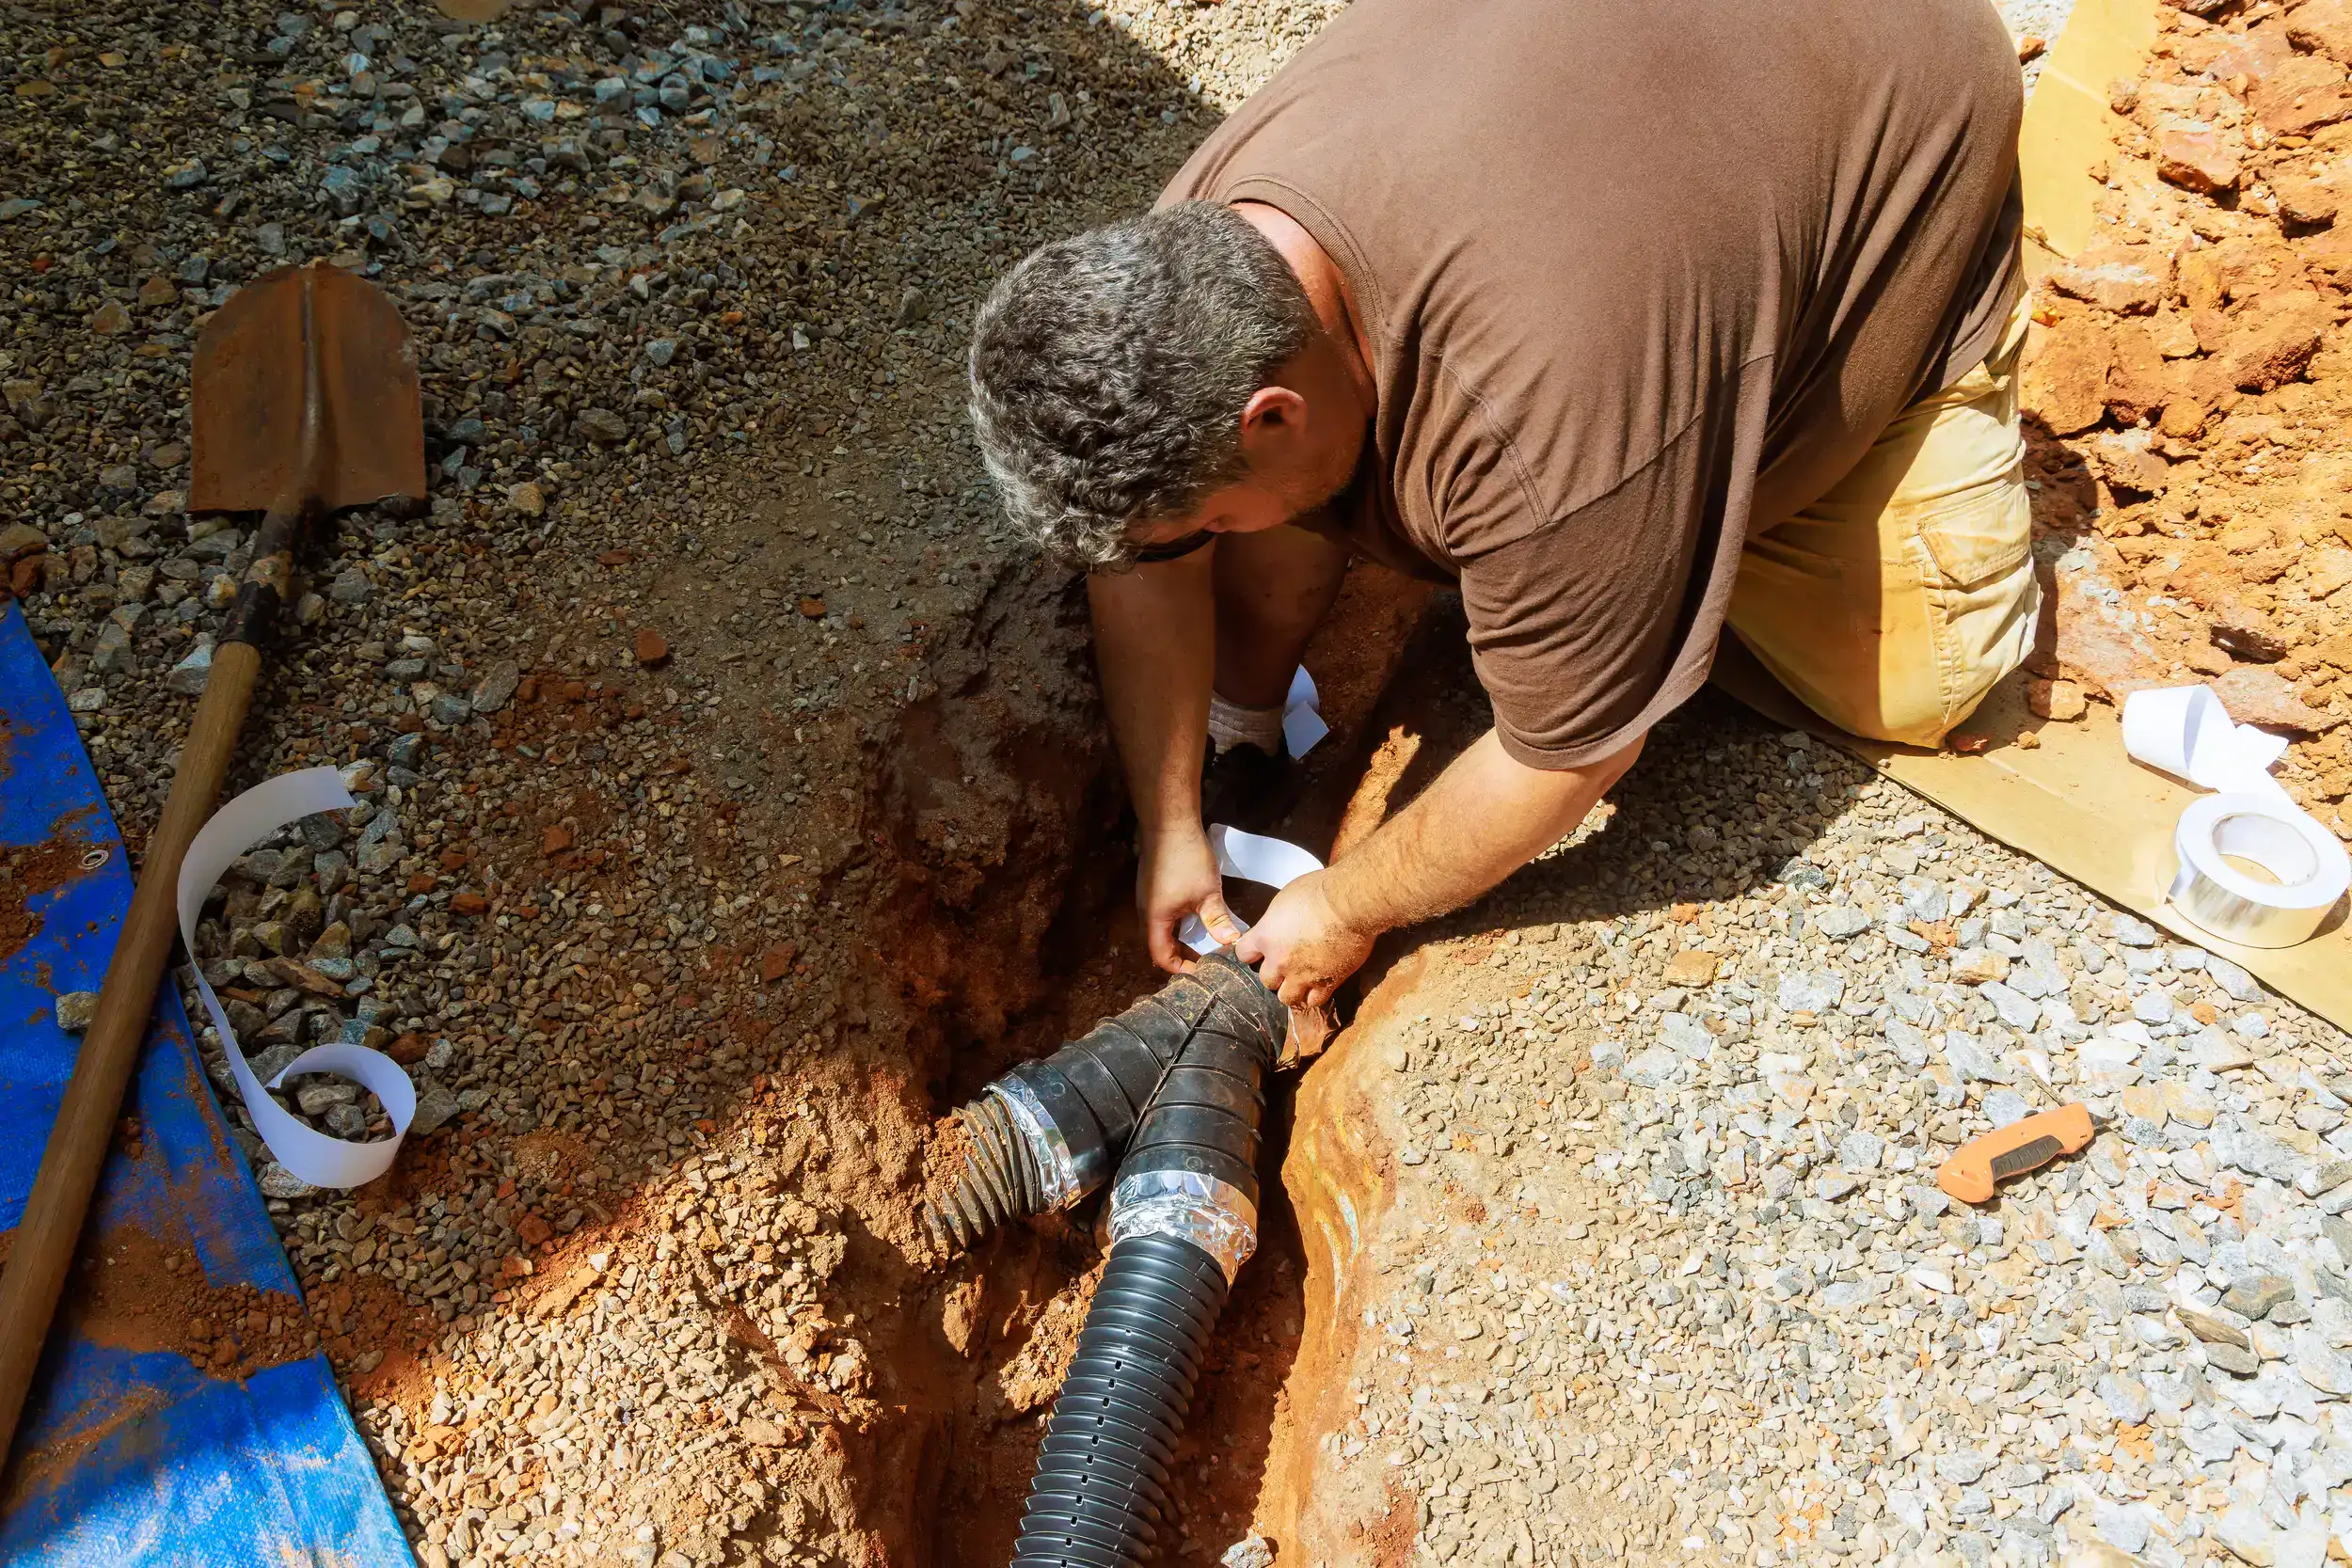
point(1638, 276)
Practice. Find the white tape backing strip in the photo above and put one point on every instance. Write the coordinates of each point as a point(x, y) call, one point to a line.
point(2185, 731)
point(307, 1153)
point(1254, 858)
point(1302, 715)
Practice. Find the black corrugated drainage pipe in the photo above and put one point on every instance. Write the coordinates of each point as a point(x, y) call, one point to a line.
point(1183, 1218)
point(1048, 1133)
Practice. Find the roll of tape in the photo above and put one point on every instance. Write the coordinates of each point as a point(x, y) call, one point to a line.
point(2304, 871)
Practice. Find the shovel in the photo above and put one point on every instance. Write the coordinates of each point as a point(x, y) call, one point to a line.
point(305, 402)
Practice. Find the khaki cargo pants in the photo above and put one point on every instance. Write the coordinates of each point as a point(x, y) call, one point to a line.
point(1893, 604)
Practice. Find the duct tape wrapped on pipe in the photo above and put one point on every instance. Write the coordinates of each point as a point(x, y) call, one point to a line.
point(2249, 865)
point(307, 1153)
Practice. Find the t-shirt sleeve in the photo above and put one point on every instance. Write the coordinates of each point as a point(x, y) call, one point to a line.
point(1588, 630)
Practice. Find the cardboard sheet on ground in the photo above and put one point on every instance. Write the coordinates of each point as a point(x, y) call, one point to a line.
point(129, 1454)
point(2079, 805)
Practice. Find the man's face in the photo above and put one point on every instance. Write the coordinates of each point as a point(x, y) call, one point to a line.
point(1248, 505)
point(1297, 457)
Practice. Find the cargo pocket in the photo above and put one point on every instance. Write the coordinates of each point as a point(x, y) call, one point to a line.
point(1976, 538)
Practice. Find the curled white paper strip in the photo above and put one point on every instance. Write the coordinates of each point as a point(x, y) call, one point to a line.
point(2185, 731)
point(1254, 858)
point(307, 1153)
point(1302, 715)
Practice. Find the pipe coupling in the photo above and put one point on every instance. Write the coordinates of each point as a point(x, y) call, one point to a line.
point(1062, 1178)
point(1213, 1214)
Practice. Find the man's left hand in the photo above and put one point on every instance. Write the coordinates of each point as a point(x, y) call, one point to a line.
point(1302, 948)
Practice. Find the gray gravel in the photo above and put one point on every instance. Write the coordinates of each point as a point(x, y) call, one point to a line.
point(1709, 1279)
point(689, 286)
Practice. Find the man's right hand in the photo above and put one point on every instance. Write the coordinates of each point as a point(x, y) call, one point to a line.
point(1176, 875)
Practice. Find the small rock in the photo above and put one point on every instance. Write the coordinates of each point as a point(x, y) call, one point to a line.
point(2255, 1296)
point(2248, 1536)
point(1977, 966)
point(1693, 967)
point(2234, 1359)
point(2058, 700)
point(2247, 634)
point(1838, 922)
point(1251, 1551)
point(2258, 695)
point(527, 498)
point(2016, 1009)
point(275, 1181)
point(314, 1099)
point(602, 426)
point(2125, 278)
point(2219, 1052)
point(2125, 1398)
point(435, 1104)
point(110, 319)
point(2320, 1364)
point(1962, 1466)
point(493, 691)
point(2233, 981)
point(76, 1008)
point(188, 677)
point(2211, 1329)
point(2197, 161)
point(651, 647)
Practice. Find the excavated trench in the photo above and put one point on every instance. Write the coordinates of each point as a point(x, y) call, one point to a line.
point(1002, 921)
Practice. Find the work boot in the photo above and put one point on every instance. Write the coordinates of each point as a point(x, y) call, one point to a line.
point(1247, 787)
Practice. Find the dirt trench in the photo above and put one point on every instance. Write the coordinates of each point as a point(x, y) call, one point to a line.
point(994, 829)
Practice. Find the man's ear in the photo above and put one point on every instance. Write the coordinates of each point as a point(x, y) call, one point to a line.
point(1273, 414)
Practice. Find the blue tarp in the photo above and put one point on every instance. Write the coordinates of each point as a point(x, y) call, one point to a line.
point(133, 1457)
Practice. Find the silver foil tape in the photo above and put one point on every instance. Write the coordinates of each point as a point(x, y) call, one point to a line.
point(1057, 1167)
point(1216, 1217)
point(2254, 870)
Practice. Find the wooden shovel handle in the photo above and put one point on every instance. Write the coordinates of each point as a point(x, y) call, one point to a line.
point(77, 1144)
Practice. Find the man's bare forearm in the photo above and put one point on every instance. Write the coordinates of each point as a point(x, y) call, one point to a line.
point(1486, 815)
point(1155, 640)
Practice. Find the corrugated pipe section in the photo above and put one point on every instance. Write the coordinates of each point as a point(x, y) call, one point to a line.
point(1183, 1218)
point(1050, 1131)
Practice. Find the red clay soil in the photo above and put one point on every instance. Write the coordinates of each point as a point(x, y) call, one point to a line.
point(2191, 378)
point(133, 1292)
point(30, 871)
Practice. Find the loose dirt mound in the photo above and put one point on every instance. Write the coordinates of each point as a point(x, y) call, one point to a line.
point(2190, 376)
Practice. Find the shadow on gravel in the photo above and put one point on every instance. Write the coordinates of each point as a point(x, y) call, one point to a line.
point(1664, 840)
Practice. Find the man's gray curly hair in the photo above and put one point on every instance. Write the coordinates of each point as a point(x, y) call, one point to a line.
point(1109, 371)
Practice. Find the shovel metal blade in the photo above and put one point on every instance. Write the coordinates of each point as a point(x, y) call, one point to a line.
point(250, 368)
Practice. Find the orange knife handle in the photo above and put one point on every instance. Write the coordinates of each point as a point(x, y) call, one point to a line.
point(1977, 1166)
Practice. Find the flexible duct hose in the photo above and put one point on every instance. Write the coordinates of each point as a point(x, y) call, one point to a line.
point(1049, 1131)
point(1183, 1221)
